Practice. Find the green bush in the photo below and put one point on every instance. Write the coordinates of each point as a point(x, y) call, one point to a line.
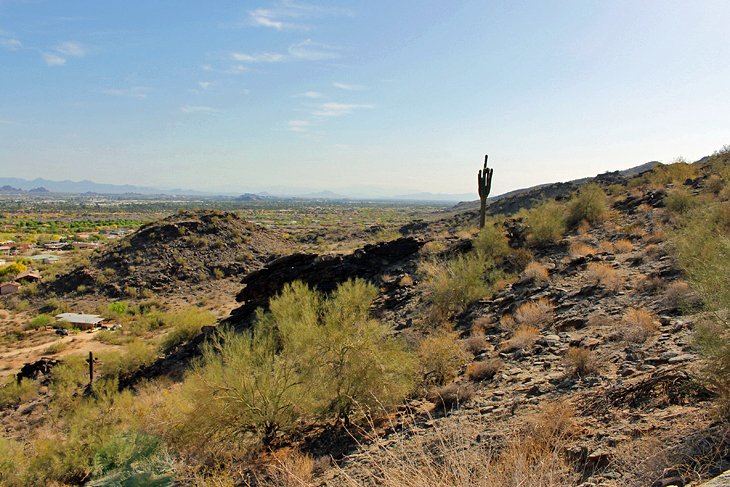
point(12, 392)
point(186, 325)
point(546, 223)
point(136, 355)
point(441, 357)
point(590, 204)
point(679, 201)
point(308, 356)
point(40, 321)
point(491, 243)
point(702, 247)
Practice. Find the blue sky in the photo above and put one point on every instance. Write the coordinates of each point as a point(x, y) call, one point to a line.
point(357, 96)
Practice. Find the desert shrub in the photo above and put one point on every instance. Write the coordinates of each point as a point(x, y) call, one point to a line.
point(452, 285)
point(242, 390)
point(441, 357)
point(491, 243)
point(579, 249)
point(11, 270)
point(535, 313)
point(606, 246)
point(13, 461)
point(136, 354)
point(40, 321)
point(476, 344)
point(12, 392)
point(308, 355)
point(451, 395)
point(674, 173)
point(484, 370)
point(113, 337)
point(546, 223)
point(623, 246)
point(680, 295)
point(117, 309)
point(580, 361)
point(536, 272)
point(523, 338)
point(638, 325)
point(679, 200)
point(56, 347)
point(601, 274)
point(590, 204)
point(131, 458)
point(186, 325)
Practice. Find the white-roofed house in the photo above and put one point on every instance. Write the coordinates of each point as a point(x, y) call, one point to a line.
point(80, 320)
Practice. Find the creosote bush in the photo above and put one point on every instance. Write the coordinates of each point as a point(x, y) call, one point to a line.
point(441, 357)
point(590, 204)
point(546, 223)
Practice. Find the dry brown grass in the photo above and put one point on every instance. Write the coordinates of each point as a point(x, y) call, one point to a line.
point(606, 246)
point(604, 275)
point(536, 272)
point(476, 344)
point(451, 395)
point(448, 456)
point(679, 295)
point(484, 369)
point(291, 468)
point(580, 361)
point(638, 324)
point(535, 313)
point(623, 246)
point(507, 323)
point(480, 325)
point(523, 338)
point(579, 249)
point(405, 281)
point(599, 320)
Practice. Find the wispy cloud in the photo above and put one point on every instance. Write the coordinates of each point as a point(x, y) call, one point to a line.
point(264, 57)
point(306, 50)
point(310, 94)
point(198, 109)
point(332, 109)
point(11, 44)
point(347, 87)
point(290, 15)
point(206, 84)
point(137, 92)
point(299, 125)
point(71, 48)
point(53, 59)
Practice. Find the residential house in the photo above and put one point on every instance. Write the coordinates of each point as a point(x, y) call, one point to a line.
point(28, 276)
point(80, 320)
point(9, 288)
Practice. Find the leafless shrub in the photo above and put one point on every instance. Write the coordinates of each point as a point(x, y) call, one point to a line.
point(484, 370)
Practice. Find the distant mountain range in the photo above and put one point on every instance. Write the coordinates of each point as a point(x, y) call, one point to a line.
point(82, 187)
point(41, 185)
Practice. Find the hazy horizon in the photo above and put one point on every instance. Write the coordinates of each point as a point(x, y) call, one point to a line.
point(331, 96)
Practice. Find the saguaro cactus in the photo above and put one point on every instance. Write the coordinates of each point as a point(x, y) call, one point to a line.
point(484, 183)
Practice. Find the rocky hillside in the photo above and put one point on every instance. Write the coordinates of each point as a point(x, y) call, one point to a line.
point(166, 255)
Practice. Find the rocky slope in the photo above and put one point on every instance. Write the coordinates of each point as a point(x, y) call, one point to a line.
point(188, 247)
